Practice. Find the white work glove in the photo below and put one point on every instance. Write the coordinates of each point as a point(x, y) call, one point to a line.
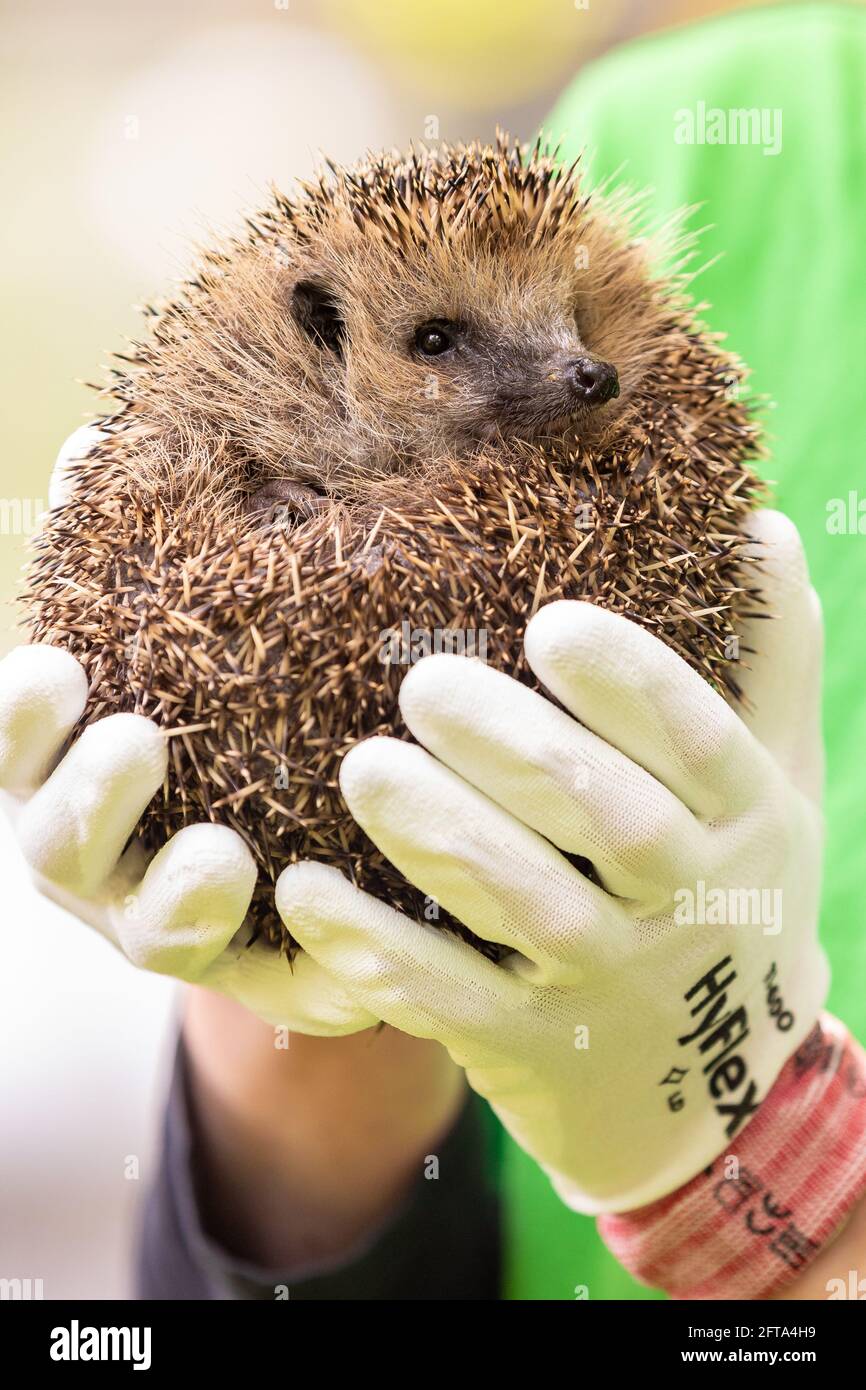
point(611, 1041)
point(180, 914)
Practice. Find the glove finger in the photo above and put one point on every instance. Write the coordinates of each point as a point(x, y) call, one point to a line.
point(641, 697)
point(75, 448)
point(101, 910)
point(497, 877)
point(554, 775)
point(194, 896)
point(409, 974)
point(74, 828)
point(782, 654)
point(43, 691)
point(300, 995)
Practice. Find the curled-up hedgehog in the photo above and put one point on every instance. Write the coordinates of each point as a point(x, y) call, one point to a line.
point(413, 403)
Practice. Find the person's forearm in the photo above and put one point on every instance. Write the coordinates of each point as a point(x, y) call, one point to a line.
point(301, 1150)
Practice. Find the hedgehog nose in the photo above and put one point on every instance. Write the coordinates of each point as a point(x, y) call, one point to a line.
point(594, 381)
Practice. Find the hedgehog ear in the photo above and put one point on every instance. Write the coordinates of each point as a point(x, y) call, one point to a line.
point(317, 313)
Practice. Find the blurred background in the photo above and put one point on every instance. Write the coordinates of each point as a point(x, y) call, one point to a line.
point(127, 132)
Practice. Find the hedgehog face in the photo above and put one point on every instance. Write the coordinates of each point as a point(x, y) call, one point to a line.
point(427, 357)
point(509, 384)
point(456, 355)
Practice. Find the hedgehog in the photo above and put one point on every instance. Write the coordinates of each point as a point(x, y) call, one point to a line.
point(407, 406)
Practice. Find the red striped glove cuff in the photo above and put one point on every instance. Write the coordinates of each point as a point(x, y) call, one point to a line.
point(753, 1220)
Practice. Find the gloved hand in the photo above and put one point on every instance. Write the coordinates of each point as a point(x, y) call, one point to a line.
point(180, 914)
point(640, 1020)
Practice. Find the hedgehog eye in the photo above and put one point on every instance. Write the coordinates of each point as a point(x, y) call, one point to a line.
point(317, 313)
point(432, 339)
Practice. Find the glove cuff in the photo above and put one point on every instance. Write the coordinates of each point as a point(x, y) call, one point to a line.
point(753, 1220)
